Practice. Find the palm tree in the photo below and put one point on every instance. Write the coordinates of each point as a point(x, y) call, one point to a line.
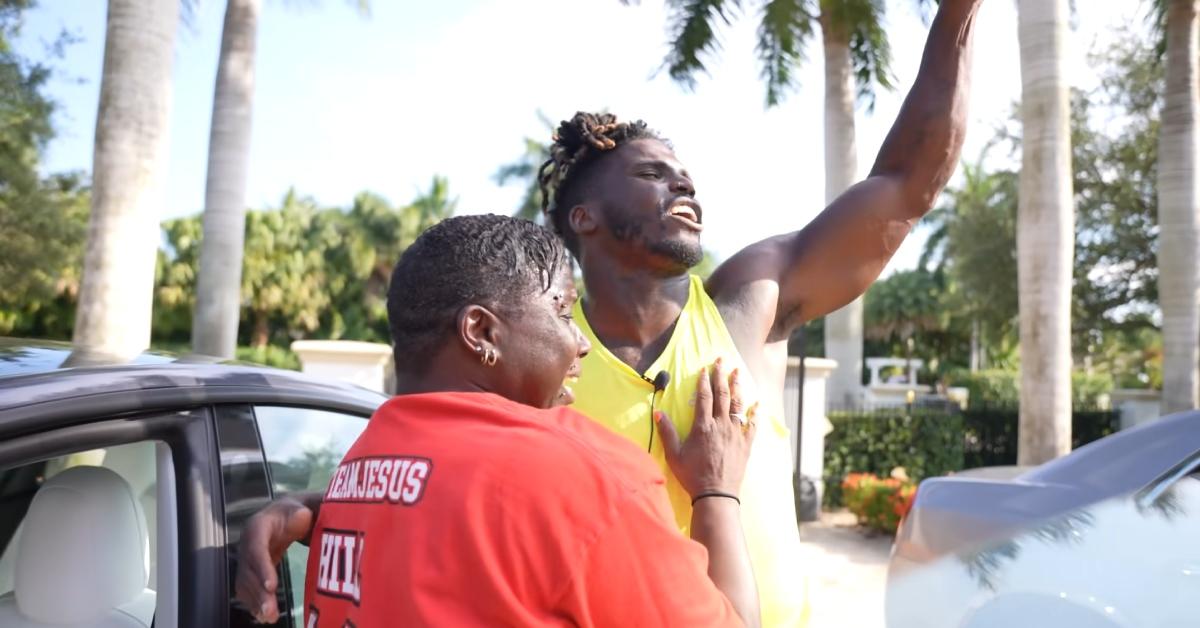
point(129, 165)
point(428, 209)
point(1045, 234)
point(1179, 208)
point(857, 58)
point(218, 298)
point(904, 306)
point(524, 169)
point(972, 243)
point(214, 331)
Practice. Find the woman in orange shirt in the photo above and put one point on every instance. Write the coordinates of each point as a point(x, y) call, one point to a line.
point(474, 498)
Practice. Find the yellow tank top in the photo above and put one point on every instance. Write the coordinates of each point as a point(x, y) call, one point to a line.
point(614, 394)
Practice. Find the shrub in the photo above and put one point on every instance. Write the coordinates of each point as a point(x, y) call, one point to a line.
point(269, 355)
point(990, 387)
point(997, 387)
point(925, 442)
point(1090, 390)
point(928, 442)
point(877, 503)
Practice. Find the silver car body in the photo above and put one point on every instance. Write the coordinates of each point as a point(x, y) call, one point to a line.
point(1106, 537)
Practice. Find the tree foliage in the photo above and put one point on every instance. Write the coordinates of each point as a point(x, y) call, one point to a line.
point(785, 31)
point(43, 219)
point(972, 240)
point(308, 271)
point(1115, 160)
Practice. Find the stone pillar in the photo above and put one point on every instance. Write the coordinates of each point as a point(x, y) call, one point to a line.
point(844, 345)
point(367, 364)
point(1136, 406)
point(811, 428)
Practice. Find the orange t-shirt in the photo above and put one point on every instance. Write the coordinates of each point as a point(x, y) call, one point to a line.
point(467, 509)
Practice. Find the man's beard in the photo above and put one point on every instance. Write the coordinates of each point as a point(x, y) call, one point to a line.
point(685, 255)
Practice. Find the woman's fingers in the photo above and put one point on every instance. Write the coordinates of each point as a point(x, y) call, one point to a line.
point(720, 390)
point(704, 395)
point(737, 407)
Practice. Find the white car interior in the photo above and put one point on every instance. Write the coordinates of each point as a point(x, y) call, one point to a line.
point(86, 554)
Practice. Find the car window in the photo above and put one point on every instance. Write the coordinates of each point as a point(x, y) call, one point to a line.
point(302, 447)
point(246, 490)
point(86, 506)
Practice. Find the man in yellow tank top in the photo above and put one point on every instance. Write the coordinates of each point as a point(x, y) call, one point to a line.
point(627, 209)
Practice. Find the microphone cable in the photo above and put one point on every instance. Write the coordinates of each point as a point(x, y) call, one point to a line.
point(659, 383)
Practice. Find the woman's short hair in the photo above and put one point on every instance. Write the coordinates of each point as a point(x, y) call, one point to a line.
point(489, 260)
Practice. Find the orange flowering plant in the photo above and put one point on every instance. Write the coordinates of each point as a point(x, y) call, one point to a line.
point(879, 503)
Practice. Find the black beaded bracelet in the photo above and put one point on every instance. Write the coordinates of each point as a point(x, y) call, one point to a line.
point(715, 494)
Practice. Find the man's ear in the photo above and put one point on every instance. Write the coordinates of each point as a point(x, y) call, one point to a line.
point(582, 219)
point(479, 329)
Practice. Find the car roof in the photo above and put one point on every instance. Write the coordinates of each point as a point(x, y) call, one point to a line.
point(1127, 460)
point(20, 356)
point(43, 382)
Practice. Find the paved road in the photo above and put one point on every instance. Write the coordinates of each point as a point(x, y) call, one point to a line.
point(848, 569)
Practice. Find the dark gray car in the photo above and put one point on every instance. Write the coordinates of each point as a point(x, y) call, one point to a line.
point(123, 488)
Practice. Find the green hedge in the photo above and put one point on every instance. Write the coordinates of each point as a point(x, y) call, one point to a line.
point(925, 442)
point(1000, 388)
point(930, 442)
point(991, 387)
point(269, 355)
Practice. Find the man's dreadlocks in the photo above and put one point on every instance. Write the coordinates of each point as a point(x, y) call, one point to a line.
point(578, 143)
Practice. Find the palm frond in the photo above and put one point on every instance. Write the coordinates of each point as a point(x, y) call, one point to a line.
point(926, 9)
point(692, 35)
point(785, 28)
point(870, 51)
point(1156, 19)
point(513, 171)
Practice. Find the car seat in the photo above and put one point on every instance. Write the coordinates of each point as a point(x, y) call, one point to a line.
point(82, 557)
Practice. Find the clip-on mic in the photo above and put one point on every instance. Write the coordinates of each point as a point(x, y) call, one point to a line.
point(659, 383)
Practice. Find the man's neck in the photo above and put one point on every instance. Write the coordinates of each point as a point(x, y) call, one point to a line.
point(632, 312)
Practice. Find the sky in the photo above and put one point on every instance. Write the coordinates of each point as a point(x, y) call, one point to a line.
point(347, 103)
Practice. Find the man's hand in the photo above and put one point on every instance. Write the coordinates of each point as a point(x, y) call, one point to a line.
point(769, 288)
point(713, 457)
point(264, 541)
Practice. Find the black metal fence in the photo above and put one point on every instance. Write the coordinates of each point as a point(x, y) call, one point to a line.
point(990, 433)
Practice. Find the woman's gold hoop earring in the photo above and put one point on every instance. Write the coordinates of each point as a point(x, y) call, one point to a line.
point(490, 357)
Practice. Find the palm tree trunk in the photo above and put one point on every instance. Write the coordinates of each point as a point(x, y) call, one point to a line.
point(129, 163)
point(1045, 234)
point(262, 331)
point(843, 328)
point(218, 284)
point(1179, 213)
point(974, 345)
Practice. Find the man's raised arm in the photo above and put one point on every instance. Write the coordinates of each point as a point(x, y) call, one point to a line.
point(836, 257)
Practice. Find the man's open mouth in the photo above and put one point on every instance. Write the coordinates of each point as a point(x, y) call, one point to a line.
point(687, 211)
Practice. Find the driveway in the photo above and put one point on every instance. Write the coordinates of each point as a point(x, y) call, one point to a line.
point(848, 570)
